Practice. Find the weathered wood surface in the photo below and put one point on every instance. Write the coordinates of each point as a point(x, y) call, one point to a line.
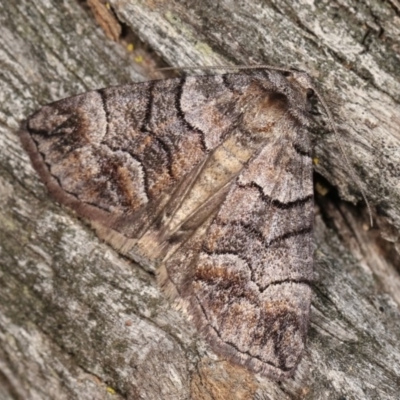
point(77, 321)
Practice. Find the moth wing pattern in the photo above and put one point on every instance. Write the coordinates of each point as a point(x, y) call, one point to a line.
point(208, 179)
point(115, 155)
point(246, 273)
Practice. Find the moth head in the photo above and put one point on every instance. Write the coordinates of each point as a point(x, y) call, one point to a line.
point(302, 81)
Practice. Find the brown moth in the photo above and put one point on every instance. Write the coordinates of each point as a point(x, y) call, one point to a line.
point(209, 180)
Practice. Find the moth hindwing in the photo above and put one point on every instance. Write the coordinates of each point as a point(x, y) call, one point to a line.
point(209, 180)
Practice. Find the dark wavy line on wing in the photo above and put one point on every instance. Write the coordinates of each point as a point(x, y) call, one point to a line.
point(280, 366)
point(277, 203)
point(300, 151)
point(149, 107)
point(181, 114)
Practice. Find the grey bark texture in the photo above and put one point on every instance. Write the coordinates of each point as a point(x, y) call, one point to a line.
point(78, 321)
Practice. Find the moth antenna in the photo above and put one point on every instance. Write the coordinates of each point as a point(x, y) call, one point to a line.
point(240, 67)
point(320, 98)
point(344, 154)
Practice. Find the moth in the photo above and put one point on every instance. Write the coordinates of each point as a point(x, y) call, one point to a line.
point(207, 179)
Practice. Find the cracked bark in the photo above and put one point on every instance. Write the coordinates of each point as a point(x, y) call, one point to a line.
point(79, 321)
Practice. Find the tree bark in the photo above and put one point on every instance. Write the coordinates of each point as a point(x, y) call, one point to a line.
point(78, 321)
